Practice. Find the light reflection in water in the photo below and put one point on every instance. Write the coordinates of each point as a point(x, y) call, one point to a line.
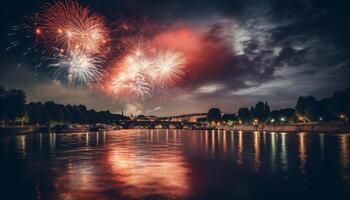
point(175, 136)
point(273, 150)
point(302, 152)
point(206, 142)
point(257, 150)
point(240, 147)
point(21, 145)
point(97, 138)
point(167, 164)
point(213, 143)
point(144, 173)
point(167, 136)
point(52, 139)
point(87, 139)
point(232, 141)
point(224, 141)
point(344, 151)
point(322, 145)
point(284, 152)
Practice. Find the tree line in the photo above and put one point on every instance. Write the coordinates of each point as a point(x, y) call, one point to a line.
point(307, 109)
point(14, 110)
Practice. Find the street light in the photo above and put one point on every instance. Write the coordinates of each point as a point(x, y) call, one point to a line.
point(283, 119)
point(272, 120)
point(343, 117)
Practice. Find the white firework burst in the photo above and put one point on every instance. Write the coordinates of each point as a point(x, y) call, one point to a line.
point(168, 67)
point(78, 67)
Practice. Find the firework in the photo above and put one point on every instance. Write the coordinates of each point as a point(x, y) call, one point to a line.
point(168, 67)
point(144, 69)
point(23, 37)
point(137, 87)
point(133, 79)
point(78, 41)
point(69, 26)
point(78, 67)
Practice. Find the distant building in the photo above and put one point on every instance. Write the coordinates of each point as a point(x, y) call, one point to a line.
point(184, 118)
point(145, 118)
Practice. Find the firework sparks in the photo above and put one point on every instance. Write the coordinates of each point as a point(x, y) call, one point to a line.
point(168, 67)
point(132, 78)
point(22, 37)
point(78, 41)
point(142, 70)
point(70, 26)
point(78, 67)
point(137, 87)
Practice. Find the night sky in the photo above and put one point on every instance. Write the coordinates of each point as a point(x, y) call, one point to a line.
point(239, 52)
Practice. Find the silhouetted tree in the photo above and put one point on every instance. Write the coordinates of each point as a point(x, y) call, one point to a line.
point(214, 114)
point(283, 115)
point(339, 103)
point(309, 108)
point(14, 104)
point(35, 113)
point(244, 115)
point(261, 111)
point(230, 117)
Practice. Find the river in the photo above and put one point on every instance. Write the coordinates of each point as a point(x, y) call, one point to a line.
point(175, 164)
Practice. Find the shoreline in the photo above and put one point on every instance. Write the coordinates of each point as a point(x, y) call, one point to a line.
point(320, 128)
point(312, 128)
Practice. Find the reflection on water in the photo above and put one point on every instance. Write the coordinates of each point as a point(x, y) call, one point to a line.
point(240, 147)
point(273, 150)
point(284, 152)
point(174, 164)
point(344, 151)
point(302, 152)
point(21, 145)
point(142, 174)
point(257, 150)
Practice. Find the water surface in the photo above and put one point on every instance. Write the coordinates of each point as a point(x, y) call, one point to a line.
point(175, 164)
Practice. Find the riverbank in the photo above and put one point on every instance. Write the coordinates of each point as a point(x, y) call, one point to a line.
point(302, 127)
point(19, 130)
